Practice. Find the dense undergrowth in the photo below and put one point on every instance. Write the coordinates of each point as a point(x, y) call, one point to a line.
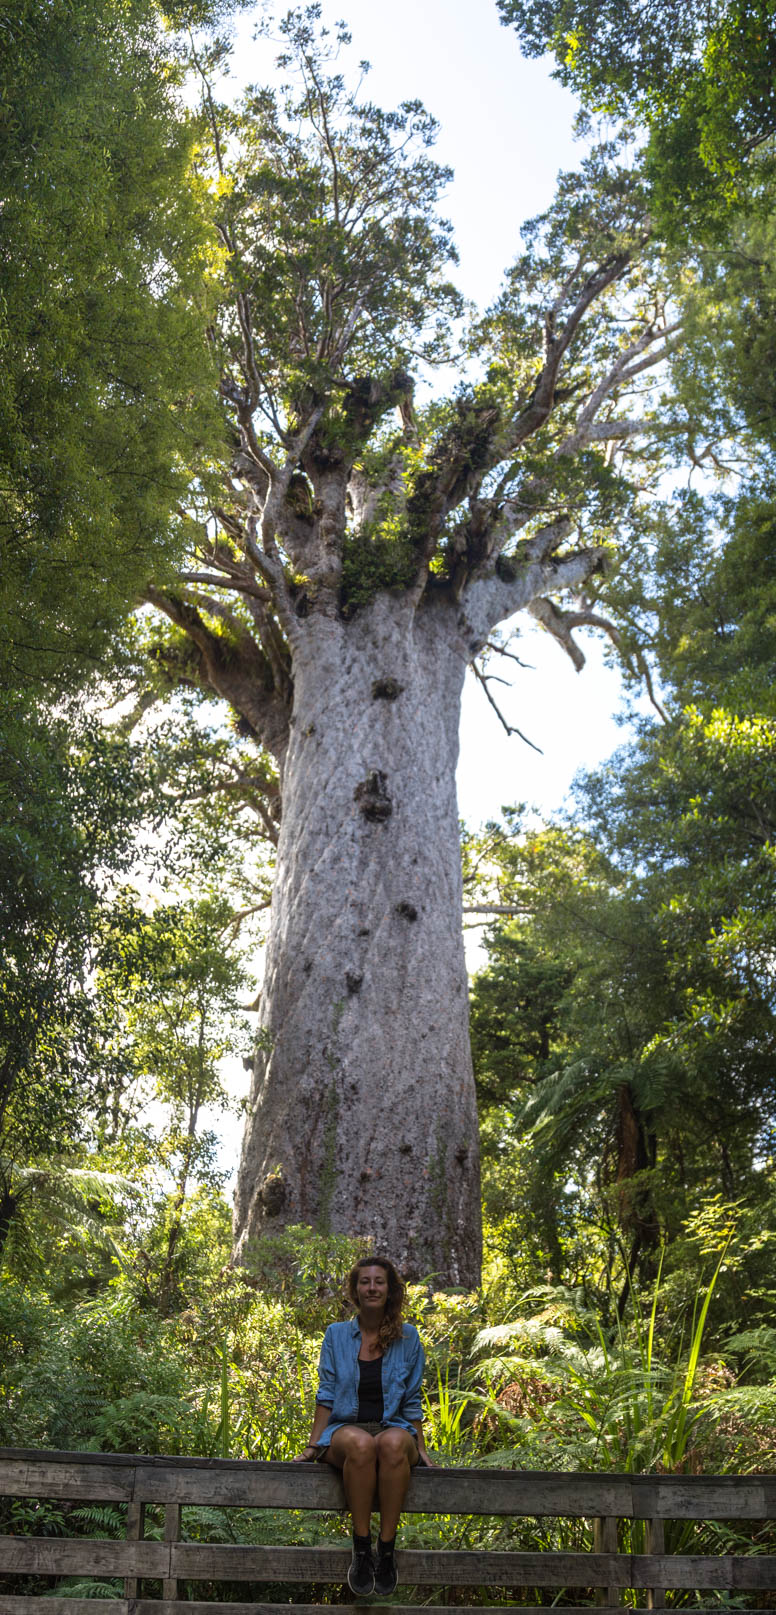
point(538, 1378)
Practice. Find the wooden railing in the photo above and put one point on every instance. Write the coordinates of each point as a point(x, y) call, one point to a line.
point(173, 1484)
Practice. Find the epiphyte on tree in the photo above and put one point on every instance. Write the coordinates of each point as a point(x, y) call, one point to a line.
point(372, 797)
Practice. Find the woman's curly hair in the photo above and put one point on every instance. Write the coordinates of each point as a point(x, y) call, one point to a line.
point(391, 1326)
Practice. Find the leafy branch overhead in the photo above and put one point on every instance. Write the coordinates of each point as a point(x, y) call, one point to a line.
point(340, 486)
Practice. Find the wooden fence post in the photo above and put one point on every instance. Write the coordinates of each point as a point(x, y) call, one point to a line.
point(655, 1542)
point(172, 1533)
point(135, 1530)
point(605, 1541)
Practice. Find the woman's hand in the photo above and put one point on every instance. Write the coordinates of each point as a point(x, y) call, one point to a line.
point(307, 1457)
point(424, 1459)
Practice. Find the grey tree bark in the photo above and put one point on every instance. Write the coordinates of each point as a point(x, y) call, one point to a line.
point(364, 1006)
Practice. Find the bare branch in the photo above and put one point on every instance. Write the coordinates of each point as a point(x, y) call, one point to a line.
point(540, 404)
point(501, 650)
point(234, 922)
point(588, 618)
point(513, 910)
point(219, 580)
point(511, 729)
point(561, 624)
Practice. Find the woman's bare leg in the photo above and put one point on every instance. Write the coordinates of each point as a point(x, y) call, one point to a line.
point(396, 1455)
point(355, 1453)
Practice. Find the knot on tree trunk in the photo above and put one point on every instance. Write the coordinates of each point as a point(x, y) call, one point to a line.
point(386, 689)
point(273, 1193)
point(372, 797)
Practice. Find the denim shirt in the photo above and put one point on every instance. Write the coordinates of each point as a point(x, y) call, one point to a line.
point(338, 1375)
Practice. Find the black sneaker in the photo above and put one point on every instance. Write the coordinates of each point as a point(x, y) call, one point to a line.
point(361, 1573)
point(386, 1574)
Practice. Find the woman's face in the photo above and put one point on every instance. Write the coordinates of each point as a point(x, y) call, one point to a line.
point(372, 1287)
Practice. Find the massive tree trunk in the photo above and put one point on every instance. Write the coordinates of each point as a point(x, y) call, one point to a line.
point(365, 1013)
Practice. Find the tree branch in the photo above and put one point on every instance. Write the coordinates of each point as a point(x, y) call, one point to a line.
point(558, 623)
point(233, 665)
point(515, 581)
point(220, 580)
point(540, 404)
point(511, 729)
point(512, 909)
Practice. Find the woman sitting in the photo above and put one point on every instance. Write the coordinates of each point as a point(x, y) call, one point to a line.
point(368, 1415)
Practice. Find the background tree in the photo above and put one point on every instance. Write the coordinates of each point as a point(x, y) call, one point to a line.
point(105, 397)
point(640, 960)
point(105, 840)
point(169, 994)
point(699, 76)
point(69, 806)
point(105, 412)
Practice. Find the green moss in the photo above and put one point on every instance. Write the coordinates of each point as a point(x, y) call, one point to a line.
point(381, 558)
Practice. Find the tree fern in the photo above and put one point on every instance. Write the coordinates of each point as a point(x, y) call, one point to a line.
point(89, 1589)
point(102, 1519)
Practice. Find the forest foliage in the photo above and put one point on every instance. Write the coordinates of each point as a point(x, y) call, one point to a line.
point(624, 1023)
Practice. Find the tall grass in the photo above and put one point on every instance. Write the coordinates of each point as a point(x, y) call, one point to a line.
point(599, 1404)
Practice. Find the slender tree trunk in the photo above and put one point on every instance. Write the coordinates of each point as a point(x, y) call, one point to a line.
point(8, 1206)
point(362, 1117)
point(636, 1209)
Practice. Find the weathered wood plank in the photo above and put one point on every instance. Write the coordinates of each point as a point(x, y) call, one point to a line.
point(655, 1546)
point(701, 1497)
point(172, 1533)
point(605, 1541)
point(745, 1572)
point(296, 1486)
point(135, 1533)
point(157, 1607)
point(42, 1477)
point(18, 1604)
point(197, 1561)
point(221, 1482)
point(82, 1556)
point(430, 1492)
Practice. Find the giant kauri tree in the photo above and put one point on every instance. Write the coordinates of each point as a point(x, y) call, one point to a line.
point(361, 553)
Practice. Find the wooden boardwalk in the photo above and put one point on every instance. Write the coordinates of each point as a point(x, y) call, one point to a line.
point(172, 1484)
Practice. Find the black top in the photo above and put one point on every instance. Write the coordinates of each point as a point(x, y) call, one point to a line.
point(370, 1390)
